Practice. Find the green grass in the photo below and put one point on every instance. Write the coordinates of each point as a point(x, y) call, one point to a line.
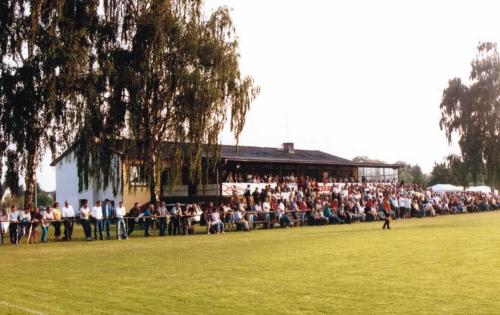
point(436, 265)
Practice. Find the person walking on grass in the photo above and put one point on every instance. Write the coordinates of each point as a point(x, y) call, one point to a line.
point(387, 212)
point(85, 220)
point(57, 221)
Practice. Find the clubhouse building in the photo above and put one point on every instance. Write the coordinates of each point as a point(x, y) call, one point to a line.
point(244, 162)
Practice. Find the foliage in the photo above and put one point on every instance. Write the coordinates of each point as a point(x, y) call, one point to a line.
point(44, 199)
point(440, 174)
point(411, 174)
point(41, 49)
point(473, 113)
point(365, 159)
point(164, 73)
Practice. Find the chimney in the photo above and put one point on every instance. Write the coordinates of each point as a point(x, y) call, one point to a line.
point(288, 147)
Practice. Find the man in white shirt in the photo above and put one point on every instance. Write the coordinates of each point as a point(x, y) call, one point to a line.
point(97, 217)
point(162, 214)
point(121, 231)
point(68, 215)
point(266, 208)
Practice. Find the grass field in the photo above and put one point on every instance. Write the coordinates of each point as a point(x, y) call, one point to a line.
point(436, 265)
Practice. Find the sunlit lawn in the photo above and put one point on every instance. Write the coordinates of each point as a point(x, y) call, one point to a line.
point(436, 265)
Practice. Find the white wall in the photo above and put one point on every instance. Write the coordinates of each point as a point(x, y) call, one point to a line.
point(67, 185)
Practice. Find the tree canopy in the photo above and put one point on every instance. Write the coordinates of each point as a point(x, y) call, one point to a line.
point(165, 73)
point(41, 44)
point(472, 111)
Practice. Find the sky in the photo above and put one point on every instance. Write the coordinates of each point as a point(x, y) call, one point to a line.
point(353, 77)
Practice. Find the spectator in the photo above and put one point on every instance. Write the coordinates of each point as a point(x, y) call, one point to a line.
point(47, 218)
point(107, 215)
point(85, 214)
point(121, 230)
point(57, 221)
point(132, 219)
point(97, 218)
point(13, 223)
point(68, 215)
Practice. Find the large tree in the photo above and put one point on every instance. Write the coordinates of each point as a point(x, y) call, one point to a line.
point(165, 73)
point(472, 111)
point(43, 45)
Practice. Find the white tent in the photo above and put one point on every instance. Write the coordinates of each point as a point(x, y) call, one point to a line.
point(444, 188)
point(484, 189)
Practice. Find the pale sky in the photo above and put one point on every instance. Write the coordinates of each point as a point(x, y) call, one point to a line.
point(353, 77)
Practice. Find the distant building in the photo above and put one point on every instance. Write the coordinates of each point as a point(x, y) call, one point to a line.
point(244, 161)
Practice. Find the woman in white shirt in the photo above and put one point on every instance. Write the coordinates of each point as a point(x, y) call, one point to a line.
point(47, 217)
point(216, 222)
point(85, 220)
point(4, 224)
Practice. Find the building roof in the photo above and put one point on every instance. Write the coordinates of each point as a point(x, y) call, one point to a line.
point(278, 155)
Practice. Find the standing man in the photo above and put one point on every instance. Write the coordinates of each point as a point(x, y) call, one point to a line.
point(13, 222)
point(120, 222)
point(68, 215)
point(174, 225)
point(97, 217)
point(107, 215)
point(148, 212)
point(133, 214)
point(161, 212)
point(85, 213)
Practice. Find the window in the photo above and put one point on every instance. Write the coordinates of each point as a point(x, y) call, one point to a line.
point(137, 176)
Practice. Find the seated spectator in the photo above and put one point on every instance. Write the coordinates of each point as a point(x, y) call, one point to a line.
point(216, 222)
point(328, 214)
point(239, 220)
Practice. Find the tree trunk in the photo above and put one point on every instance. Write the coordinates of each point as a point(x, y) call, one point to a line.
point(153, 179)
point(30, 181)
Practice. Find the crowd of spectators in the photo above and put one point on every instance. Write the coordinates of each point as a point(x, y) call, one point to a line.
point(283, 205)
point(239, 177)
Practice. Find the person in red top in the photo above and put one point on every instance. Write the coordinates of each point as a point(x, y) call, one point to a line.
point(387, 212)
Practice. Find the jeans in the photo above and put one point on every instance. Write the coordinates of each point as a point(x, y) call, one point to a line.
point(57, 229)
point(120, 227)
point(22, 227)
point(97, 226)
point(106, 225)
point(285, 221)
point(147, 224)
point(13, 233)
point(45, 231)
point(174, 226)
point(218, 227)
point(68, 228)
point(131, 226)
point(86, 228)
point(162, 224)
